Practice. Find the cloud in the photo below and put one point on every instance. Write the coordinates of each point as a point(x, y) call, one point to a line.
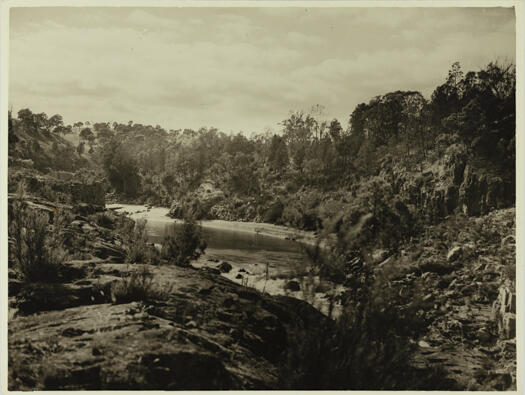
point(238, 68)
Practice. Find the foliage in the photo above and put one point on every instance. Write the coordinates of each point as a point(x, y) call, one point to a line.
point(121, 169)
point(135, 242)
point(103, 219)
point(369, 346)
point(183, 243)
point(145, 163)
point(137, 286)
point(36, 251)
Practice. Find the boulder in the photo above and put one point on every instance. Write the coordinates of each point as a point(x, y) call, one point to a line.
point(454, 254)
point(104, 250)
point(293, 286)
point(225, 267)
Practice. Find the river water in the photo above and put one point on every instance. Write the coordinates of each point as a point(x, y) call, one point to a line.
point(262, 256)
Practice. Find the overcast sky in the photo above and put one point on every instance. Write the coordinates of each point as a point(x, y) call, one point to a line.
point(238, 69)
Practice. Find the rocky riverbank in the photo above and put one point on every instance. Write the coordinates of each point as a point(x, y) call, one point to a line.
point(206, 333)
point(196, 330)
point(80, 334)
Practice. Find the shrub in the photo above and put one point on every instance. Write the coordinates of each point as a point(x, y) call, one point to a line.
point(183, 243)
point(138, 286)
point(371, 344)
point(36, 251)
point(102, 219)
point(274, 212)
point(135, 241)
point(368, 348)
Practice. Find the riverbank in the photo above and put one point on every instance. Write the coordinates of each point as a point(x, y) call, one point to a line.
point(263, 229)
point(265, 257)
point(184, 328)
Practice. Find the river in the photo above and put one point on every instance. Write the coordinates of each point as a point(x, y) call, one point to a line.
point(263, 256)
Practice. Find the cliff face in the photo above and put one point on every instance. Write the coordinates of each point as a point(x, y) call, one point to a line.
point(452, 183)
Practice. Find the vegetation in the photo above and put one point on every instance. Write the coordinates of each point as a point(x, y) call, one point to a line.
point(183, 243)
point(36, 251)
point(368, 347)
point(310, 156)
point(135, 241)
point(388, 180)
point(137, 286)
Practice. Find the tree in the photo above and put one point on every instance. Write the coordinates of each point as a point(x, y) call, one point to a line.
point(86, 134)
point(55, 122)
point(27, 120)
point(81, 148)
point(298, 133)
point(183, 244)
point(121, 169)
point(278, 156)
point(104, 133)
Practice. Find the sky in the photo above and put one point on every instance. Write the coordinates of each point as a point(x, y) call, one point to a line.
point(238, 69)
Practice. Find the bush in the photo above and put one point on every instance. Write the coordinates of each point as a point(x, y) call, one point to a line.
point(135, 241)
point(183, 243)
point(35, 250)
point(368, 348)
point(371, 344)
point(138, 286)
point(274, 212)
point(102, 219)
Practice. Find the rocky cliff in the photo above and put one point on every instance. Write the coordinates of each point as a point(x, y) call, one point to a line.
point(451, 183)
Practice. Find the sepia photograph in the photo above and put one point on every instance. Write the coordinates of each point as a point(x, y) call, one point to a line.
point(260, 196)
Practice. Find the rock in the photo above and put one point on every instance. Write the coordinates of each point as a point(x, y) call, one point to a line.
point(504, 312)
point(480, 192)
point(507, 326)
point(454, 254)
point(510, 239)
point(483, 334)
point(225, 267)
point(379, 256)
point(211, 270)
point(103, 250)
point(231, 339)
point(293, 286)
point(423, 344)
point(86, 209)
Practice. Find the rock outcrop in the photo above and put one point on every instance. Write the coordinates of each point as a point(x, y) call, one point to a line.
point(62, 189)
point(454, 182)
point(209, 333)
point(480, 193)
point(504, 312)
